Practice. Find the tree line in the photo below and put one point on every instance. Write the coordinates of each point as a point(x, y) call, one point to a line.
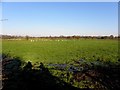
point(59, 37)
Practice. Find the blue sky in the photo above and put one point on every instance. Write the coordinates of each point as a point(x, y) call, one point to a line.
point(60, 18)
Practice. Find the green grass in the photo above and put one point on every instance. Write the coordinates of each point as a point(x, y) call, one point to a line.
point(53, 51)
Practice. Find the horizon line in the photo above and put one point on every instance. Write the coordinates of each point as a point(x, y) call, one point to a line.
point(57, 35)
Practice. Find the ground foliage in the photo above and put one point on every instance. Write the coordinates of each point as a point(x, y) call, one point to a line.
point(17, 77)
point(77, 75)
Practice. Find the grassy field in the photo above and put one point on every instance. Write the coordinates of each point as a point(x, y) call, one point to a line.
point(59, 62)
point(62, 51)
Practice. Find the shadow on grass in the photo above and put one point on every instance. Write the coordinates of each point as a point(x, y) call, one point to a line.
point(18, 75)
point(22, 76)
point(99, 75)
